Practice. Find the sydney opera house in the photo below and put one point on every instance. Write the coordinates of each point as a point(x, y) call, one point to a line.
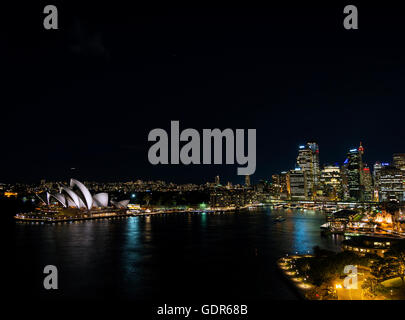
point(76, 201)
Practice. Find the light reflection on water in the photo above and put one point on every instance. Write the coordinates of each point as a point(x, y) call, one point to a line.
point(132, 238)
point(230, 254)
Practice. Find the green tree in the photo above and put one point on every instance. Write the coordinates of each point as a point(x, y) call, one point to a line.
point(377, 274)
point(147, 199)
point(395, 258)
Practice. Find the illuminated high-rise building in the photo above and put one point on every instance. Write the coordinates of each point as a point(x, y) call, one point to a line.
point(354, 174)
point(376, 171)
point(217, 182)
point(367, 182)
point(399, 161)
point(308, 161)
point(344, 172)
point(275, 179)
point(285, 184)
point(275, 185)
point(378, 166)
point(298, 188)
point(331, 182)
point(391, 184)
point(282, 182)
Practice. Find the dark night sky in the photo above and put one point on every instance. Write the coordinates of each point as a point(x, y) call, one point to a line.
point(87, 95)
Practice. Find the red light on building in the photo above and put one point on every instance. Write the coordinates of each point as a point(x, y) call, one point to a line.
point(361, 149)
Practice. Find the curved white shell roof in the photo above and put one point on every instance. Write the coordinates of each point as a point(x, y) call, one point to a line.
point(70, 203)
point(73, 197)
point(100, 200)
point(60, 198)
point(87, 198)
point(82, 204)
point(120, 205)
point(123, 203)
point(44, 198)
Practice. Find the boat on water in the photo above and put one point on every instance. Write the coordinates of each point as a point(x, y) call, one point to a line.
point(325, 226)
point(278, 219)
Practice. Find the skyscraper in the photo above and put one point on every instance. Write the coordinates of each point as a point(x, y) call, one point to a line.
point(391, 184)
point(282, 181)
point(298, 187)
point(285, 185)
point(367, 182)
point(354, 174)
point(344, 172)
point(275, 179)
point(308, 161)
point(399, 161)
point(378, 166)
point(217, 182)
point(331, 182)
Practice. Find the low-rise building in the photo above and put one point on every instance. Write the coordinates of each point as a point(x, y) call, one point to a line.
point(363, 245)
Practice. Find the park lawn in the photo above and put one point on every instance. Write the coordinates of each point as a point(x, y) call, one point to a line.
point(398, 289)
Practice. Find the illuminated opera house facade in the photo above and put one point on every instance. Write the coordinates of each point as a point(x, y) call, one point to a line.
point(76, 201)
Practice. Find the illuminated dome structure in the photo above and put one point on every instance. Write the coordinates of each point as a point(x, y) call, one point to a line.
point(79, 197)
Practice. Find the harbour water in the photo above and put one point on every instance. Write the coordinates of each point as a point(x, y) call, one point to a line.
point(173, 256)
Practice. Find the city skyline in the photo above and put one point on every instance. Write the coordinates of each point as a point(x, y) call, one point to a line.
point(354, 180)
point(328, 87)
point(235, 179)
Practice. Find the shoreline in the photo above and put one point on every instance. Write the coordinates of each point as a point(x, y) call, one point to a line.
point(299, 286)
point(299, 294)
point(124, 215)
point(50, 221)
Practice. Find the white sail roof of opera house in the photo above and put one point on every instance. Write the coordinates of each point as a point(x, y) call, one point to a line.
point(120, 205)
point(78, 196)
point(100, 199)
point(60, 198)
point(85, 193)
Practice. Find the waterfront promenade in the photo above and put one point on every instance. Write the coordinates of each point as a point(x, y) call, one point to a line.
point(145, 213)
